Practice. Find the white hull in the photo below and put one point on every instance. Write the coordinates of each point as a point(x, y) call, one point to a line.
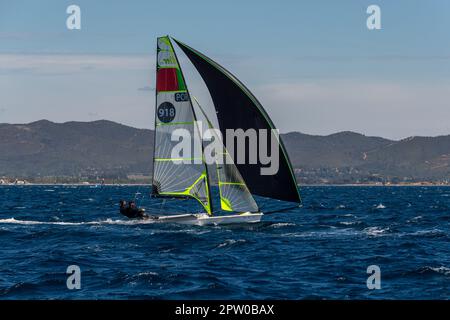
point(202, 219)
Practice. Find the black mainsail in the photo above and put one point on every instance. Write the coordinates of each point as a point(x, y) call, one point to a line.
point(238, 108)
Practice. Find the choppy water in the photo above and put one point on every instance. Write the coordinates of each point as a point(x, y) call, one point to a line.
point(319, 251)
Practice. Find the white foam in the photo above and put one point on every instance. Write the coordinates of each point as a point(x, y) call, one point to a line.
point(282, 224)
point(348, 223)
point(143, 274)
point(230, 242)
point(375, 231)
point(443, 270)
point(431, 232)
point(62, 223)
point(336, 233)
point(415, 219)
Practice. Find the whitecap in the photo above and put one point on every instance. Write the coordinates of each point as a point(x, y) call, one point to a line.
point(380, 206)
point(442, 270)
point(415, 219)
point(375, 231)
point(230, 242)
point(336, 233)
point(348, 223)
point(431, 232)
point(143, 274)
point(282, 224)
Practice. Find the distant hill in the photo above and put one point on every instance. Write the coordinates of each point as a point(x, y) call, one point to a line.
point(111, 150)
point(45, 148)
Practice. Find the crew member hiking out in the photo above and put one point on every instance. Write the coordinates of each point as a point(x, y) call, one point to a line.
point(131, 210)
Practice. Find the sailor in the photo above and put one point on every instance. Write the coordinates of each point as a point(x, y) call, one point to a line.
point(132, 211)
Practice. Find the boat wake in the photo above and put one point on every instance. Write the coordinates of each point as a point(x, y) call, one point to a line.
point(62, 223)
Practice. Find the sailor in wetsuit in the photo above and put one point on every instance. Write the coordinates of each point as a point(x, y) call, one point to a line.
point(131, 211)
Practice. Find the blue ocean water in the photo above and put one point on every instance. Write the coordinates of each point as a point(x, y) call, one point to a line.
point(319, 251)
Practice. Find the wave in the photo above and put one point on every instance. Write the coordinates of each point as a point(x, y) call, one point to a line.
point(441, 270)
point(432, 233)
point(375, 231)
point(282, 224)
point(380, 206)
point(62, 223)
point(349, 223)
point(336, 233)
point(415, 219)
point(230, 242)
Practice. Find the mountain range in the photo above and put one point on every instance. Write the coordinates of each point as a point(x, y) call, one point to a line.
point(105, 149)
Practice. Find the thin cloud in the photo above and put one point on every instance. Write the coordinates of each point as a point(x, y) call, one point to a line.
point(381, 58)
point(146, 88)
point(56, 64)
point(389, 109)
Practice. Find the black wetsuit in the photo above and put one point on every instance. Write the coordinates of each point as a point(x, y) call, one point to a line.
point(133, 213)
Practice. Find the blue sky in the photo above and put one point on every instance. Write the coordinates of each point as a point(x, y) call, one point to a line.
point(313, 64)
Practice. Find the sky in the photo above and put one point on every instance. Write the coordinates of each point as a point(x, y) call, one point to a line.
point(314, 65)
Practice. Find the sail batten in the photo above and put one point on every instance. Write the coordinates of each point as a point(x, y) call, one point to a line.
point(238, 108)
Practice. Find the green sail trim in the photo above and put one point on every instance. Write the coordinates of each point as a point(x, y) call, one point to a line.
point(189, 193)
point(225, 204)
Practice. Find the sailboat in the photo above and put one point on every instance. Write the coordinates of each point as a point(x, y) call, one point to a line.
point(188, 177)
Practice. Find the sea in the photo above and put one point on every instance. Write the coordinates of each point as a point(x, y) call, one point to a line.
point(346, 242)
